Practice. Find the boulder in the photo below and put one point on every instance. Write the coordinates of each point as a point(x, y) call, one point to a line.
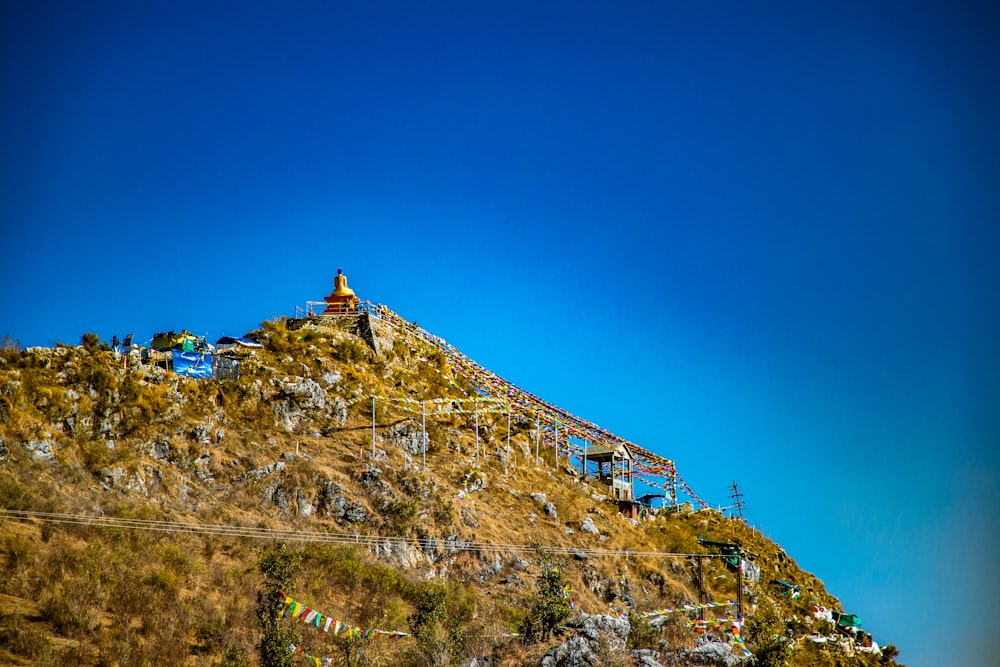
point(713, 654)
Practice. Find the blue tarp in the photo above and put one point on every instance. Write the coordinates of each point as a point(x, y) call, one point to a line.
point(193, 364)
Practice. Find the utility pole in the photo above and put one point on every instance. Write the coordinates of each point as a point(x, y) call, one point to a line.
point(739, 582)
point(737, 498)
point(701, 586)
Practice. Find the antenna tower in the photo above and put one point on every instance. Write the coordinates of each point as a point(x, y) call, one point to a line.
point(737, 499)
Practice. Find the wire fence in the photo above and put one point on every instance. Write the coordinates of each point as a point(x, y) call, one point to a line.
point(258, 533)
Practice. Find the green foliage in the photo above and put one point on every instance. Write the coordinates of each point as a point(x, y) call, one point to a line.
point(399, 348)
point(429, 612)
point(68, 612)
point(163, 580)
point(549, 606)
point(234, 656)
point(642, 635)
point(90, 341)
point(349, 351)
point(889, 652)
point(399, 515)
point(279, 568)
point(14, 495)
point(438, 621)
point(311, 336)
point(17, 550)
point(444, 511)
point(24, 640)
point(348, 570)
point(765, 633)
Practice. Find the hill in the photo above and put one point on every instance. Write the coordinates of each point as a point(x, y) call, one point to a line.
point(150, 518)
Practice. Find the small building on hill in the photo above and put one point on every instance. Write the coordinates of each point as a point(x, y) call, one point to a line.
point(614, 468)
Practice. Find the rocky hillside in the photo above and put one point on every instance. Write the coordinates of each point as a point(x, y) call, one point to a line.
point(148, 518)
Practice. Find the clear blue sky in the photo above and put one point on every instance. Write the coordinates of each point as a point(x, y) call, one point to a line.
point(758, 238)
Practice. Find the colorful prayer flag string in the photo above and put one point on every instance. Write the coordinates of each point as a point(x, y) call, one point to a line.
point(294, 609)
point(688, 607)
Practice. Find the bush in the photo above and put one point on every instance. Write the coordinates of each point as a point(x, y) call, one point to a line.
point(90, 341)
point(69, 612)
point(765, 633)
point(439, 620)
point(279, 568)
point(550, 605)
point(642, 634)
point(14, 495)
point(399, 514)
point(25, 640)
point(11, 350)
point(349, 352)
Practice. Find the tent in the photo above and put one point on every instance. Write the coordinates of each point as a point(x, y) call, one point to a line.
point(846, 620)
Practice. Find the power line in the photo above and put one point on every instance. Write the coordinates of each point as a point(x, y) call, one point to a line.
point(315, 536)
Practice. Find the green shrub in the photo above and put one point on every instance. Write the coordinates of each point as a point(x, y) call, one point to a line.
point(349, 351)
point(234, 656)
point(642, 634)
point(14, 495)
point(550, 605)
point(90, 341)
point(399, 515)
point(163, 580)
point(17, 551)
point(10, 349)
point(765, 634)
point(279, 568)
point(439, 620)
point(24, 640)
point(69, 612)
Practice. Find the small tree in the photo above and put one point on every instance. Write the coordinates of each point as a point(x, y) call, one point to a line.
point(550, 604)
point(441, 614)
point(90, 341)
point(642, 634)
point(765, 631)
point(427, 625)
point(279, 568)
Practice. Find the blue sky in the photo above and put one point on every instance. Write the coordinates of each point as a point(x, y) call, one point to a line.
point(760, 240)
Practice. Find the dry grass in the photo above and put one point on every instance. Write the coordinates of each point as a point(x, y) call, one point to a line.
point(79, 595)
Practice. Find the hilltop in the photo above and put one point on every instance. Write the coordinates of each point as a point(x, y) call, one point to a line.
point(146, 512)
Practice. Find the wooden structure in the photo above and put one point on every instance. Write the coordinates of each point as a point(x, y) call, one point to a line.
point(619, 468)
point(342, 300)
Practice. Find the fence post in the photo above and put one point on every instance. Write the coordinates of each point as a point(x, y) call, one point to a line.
point(537, 438)
point(508, 452)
